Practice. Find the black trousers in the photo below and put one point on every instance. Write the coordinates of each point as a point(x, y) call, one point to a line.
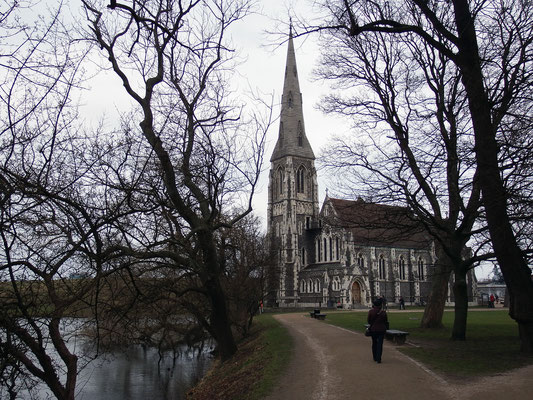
point(377, 345)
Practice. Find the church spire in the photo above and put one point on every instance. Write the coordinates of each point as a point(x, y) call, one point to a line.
point(292, 140)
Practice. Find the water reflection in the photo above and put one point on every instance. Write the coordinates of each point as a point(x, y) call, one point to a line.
point(135, 375)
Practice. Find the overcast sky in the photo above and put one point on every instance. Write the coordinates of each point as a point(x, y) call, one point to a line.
point(263, 70)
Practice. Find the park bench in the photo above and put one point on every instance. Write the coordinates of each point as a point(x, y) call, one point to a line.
point(394, 335)
point(314, 313)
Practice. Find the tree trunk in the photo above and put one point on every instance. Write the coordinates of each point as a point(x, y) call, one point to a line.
point(220, 324)
point(432, 318)
point(219, 319)
point(512, 263)
point(461, 304)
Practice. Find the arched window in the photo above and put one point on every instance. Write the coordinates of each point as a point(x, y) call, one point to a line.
point(420, 264)
point(317, 286)
point(280, 181)
point(401, 268)
point(381, 266)
point(325, 249)
point(302, 286)
point(337, 252)
point(303, 256)
point(318, 252)
point(360, 260)
point(336, 284)
point(310, 286)
point(300, 180)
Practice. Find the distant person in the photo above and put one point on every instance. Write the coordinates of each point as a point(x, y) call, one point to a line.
point(377, 319)
point(402, 303)
point(491, 301)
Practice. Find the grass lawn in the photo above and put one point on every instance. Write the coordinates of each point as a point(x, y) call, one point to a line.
point(252, 372)
point(492, 344)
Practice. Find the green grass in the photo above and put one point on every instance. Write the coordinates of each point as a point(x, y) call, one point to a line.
point(252, 373)
point(492, 344)
point(276, 354)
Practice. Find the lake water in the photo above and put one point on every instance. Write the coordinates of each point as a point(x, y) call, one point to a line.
point(135, 376)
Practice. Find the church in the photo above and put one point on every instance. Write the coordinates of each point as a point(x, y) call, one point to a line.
point(344, 253)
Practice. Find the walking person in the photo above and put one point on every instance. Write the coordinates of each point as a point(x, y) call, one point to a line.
point(377, 319)
point(402, 303)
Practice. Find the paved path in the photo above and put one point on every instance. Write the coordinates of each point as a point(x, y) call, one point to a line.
point(332, 363)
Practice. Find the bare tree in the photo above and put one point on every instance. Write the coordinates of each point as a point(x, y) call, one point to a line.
point(203, 154)
point(50, 218)
point(490, 45)
point(413, 144)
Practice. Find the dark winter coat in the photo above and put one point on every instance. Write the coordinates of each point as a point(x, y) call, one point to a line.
point(377, 318)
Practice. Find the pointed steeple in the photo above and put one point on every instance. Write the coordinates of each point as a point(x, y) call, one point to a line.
point(292, 140)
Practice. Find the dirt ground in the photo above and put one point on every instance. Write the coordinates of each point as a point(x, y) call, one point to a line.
point(332, 363)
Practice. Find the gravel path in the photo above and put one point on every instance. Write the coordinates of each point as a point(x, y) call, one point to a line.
point(332, 363)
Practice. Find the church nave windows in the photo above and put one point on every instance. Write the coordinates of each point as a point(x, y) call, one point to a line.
point(381, 267)
point(420, 265)
point(401, 268)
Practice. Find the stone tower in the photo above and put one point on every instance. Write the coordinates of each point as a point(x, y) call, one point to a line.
point(292, 189)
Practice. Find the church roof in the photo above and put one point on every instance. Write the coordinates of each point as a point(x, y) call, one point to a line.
point(292, 140)
point(373, 224)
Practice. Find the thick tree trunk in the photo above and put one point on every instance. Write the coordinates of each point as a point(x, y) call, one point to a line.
point(513, 265)
point(220, 322)
point(432, 318)
point(460, 293)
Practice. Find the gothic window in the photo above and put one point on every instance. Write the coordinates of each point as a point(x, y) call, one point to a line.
point(337, 254)
point(330, 249)
point(325, 249)
point(336, 284)
point(280, 182)
point(381, 266)
point(317, 286)
point(420, 265)
point(300, 134)
point(307, 222)
point(318, 252)
point(303, 256)
point(310, 286)
point(300, 180)
point(401, 267)
point(360, 260)
point(290, 99)
point(302, 286)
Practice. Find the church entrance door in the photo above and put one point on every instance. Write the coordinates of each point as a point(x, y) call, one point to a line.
point(356, 293)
